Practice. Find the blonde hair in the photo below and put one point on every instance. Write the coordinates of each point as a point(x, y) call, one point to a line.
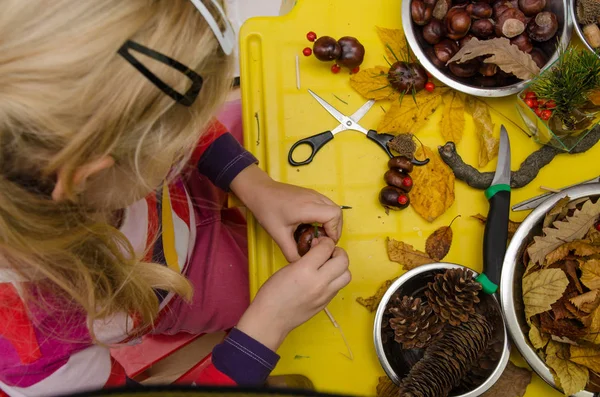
point(66, 98)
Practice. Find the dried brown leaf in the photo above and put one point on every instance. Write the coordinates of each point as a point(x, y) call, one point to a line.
point(438, 243)
point(433, 186)
point(512, 225)
point(538, 339)
point(408, 116)
point(559, 209)
point(542, 289)
point(578, 247)
point(488, 144)
point(406, 255)
point(506, 56)
point(590, 273)
point(573, 377)
point(572, 228)
point(372, 302)
point(452, 124)
point(587, 302)
point(588, 356)
point(512, 383)
point(593, 329)
point(373, 84)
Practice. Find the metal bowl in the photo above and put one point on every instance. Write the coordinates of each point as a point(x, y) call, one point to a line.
point(572, 5)
point(468, 85)
point(397, 362)
point(511, 291)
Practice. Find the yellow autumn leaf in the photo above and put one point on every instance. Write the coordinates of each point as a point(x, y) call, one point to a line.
point(593, 330)
point(395, 44)
point(542, 289)
point(590, 273)
point(538, 339)
point(587, 302)
point(484, 127)
point(573, 377)
point(453, 118)
point(406, 255)
point(433, 186)
point(410, 114)
point(373, 84)
point(588, 356)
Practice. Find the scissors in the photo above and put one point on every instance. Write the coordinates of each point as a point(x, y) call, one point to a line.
point(534, 202)
point(316, 142)
point(496, 228)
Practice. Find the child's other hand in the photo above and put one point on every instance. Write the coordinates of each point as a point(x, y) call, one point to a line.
point(296, 293)
point(281, 208)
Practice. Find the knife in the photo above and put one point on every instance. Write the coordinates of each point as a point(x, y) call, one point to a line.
point(495, 236)
point(534, 202)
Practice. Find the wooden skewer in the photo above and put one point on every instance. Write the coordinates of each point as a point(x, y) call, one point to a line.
point(549, 189)
point(336, 325)
point(297, 72)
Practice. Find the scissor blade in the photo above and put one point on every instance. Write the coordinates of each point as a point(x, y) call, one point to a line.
point(339, 116)
point(360, 113)
point(502, 175)
point(534, 202)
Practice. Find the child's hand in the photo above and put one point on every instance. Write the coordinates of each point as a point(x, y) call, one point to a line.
point(280, 208)
point(296, 293)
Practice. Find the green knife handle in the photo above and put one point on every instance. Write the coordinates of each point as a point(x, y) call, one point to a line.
point(496, 235)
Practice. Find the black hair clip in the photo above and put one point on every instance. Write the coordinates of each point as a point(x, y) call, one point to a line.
point(186, 99)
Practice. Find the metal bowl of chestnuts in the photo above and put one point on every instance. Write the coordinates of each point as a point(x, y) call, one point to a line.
point(437, 29)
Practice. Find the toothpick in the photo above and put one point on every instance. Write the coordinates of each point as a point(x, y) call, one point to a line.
point(297, 72)
point(336, 325)
point(549, 189)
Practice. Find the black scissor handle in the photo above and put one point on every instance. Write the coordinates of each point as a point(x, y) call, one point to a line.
point(382, 140)
point(316, 142)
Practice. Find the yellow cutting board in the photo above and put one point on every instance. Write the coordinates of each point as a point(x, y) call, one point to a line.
point(350, 171)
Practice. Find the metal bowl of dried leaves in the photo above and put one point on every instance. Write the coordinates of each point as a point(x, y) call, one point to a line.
point(436, 334)
point(550, 290)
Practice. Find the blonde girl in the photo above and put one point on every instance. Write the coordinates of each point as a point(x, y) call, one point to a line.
point(113, 175)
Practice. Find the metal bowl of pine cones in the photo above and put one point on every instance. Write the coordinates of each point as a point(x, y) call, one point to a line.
point(437, 334)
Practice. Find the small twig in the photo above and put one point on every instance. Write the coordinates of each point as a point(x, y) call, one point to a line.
point(336, 325)
point(549, 189)
point(340, 99)
point(257, 128)
point(297, 72)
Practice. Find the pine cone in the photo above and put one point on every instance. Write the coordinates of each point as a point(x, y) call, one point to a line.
point(452, 295)
point(414, 323)
point(448, 359)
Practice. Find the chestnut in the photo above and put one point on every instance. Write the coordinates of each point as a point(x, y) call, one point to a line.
point(405, 77)
point(539, 57)
point(483, 28)
point(543, 27)
point(480, 10)
point(304, 240)
point(465, 69)
point(401, 163)
point(441, 9)
point(445, 50)
point(393, 198)
point(499, 7)
point(398, 179)
point(430, 53)
point(522, 41)
point(434, 31)
point(465, 40)
point(458, 23)
point(327, 49)
point(510, 23)
point(488, 69)
point(532, 7)
point(420, 12)
point(353, 52)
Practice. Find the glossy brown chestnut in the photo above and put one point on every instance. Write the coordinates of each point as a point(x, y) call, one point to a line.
point(465, 40)
point(445, 49)
point(465, 69)
point(396, 178)
point(420, 12)
point(430, 53)
point(539, 57)
point(499, 7)
point(488, 69)
point(401, 163)
point(543, 27)
point(327, 49)
point(405, 77)
point(434, 31)
point(393, 198)
point(305, 238)
point(353, 52)
point(480, 10)
point(510, 23)
point(458, 23)
point(441, 9)
point(522, 41)
point(483, 28)
point(532, 7)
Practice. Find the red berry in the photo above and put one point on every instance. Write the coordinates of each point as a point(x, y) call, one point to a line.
point(429, 75)
point(407, 181)
point(429, 86)
point(307, 52)
point(538, 112)
point(356, 70)
point(530, 95)
point(335, 69)
point(546, 114)
point(311, 36)
point(542, 103)
point(597, 226)
point(402, 199)
point(531, 102)
point(550, 104)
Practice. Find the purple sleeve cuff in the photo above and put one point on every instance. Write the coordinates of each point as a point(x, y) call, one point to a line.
point(224, 159)
point(243, 359)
